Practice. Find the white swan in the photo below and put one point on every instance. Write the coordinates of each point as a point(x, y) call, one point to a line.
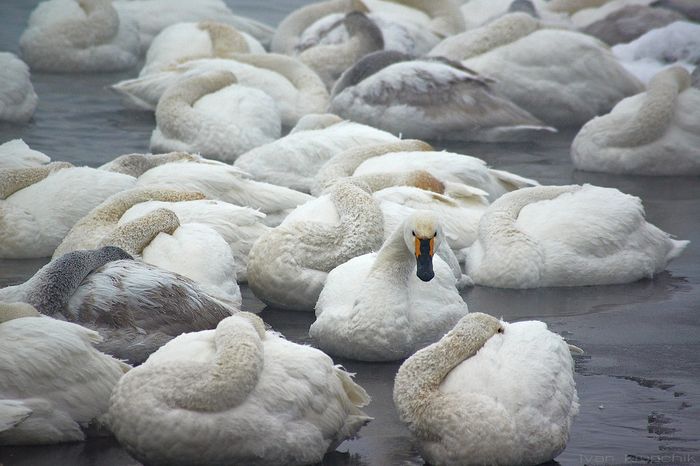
point(288, 266)
point(489, 392)
point(545, 71)
point(223, 182)
point(212, 115)
point(330, 61)
point(675, 44)
point(446, 166)
point(42, 203)
point(17, 154)
point(53, 382)
point(182, 42)
point(293, 160)
point(239, 226)
point(152, 16)
point(236, 395)
point(384, 306)
point(79, 36)
point(193, 250)
point(567, 236)
point(17, 97)
point(135, 306)
point(629, 22)
point(296, 89)
point(653, 133)
point(428, 98)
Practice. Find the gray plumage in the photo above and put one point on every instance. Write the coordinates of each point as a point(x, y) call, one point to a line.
point(366, 67)
point(524, 6)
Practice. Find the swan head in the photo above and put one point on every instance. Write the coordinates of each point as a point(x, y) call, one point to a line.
point(695, 77)
point(423, 233)
point(472, 332)
point(10, 311)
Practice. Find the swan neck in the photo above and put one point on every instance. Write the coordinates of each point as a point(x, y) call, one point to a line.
point(446, 17)
point(16, 179)
point(111, 210)
point(394, 260)
point(228, 380)
point(135, 235)
point(100, 26)
point(225, 39)
point(656, 112)
point(303, 78)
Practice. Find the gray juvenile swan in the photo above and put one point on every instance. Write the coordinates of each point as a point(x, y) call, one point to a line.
point(136, 307)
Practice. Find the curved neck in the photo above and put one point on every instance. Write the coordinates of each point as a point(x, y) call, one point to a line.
point(651, 121)
point(419, 378)
point(101, 24)
point(225, 39)
point(345, 163)
point(53, 285)
point(228, 380)
point(446, 17)
point(394, 262)
point(175, 116)
point(366, 67)
point(417, 178)
point(138, 164)
point(288, 32)
point(135, 235)
point(500, 32)
point(15, 179)
point(111, 210)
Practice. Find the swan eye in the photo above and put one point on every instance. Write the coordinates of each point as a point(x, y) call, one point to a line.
point(500, 329)
point(435, 235)
point(413, 233)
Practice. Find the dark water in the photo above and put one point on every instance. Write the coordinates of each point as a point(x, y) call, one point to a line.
point(639, 381)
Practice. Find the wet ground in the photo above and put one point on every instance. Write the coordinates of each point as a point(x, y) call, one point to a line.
point(638, 381)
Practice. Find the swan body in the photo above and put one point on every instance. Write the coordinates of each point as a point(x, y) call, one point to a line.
point(238, 226)
point(182, 42)
point(295, 88)
point(79, 36)
point(226, 183)
point(54, 381)
point(17, 154)
point(653, 133)
point(489, 392)
point(447, 166)
point(43, 203)
point(17, 97)
point(378, 307)
point(209, 114)
point(288, 266)
point(428, 99)
point(293, 160)
point(236, 395)
point(135, 306)
point(152, 16)
point(675, 44)
point(519, 55)
point(567, 236)
point(630, 22)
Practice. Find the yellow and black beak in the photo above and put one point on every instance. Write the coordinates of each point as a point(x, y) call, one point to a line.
point(425, 248)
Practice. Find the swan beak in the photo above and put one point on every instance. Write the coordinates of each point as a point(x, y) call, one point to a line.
point(424, 258)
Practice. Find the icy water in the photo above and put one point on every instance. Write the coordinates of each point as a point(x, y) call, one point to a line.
point(639, 381)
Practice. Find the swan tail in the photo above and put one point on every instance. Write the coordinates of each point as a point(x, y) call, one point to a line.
point(511, 181)
point(677, 248)
point(357, 395)
point(12, 413)
point(515, 133)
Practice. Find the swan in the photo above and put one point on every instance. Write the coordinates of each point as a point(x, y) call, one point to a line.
point(54, 383)
point(288, 265)
point(567, 236)
point(238, 226)
point(193, 250)
point(489, 392)
point(137, 164)
point(428, 98)
point(17, 97)
point(39, 205)
point(135, 306)
point(212, 115)
point(182, 42)
point(675, 44)
point(653, 133)
point(589, 14)
point(152, 16)
point(629, 22)
point(385, 306)
point(545, 71)
point(446, 166)
point(293, 160)
point(17, 154)
point(330, 61)
point(236, 395)
point(689, 8)
point(296, 89)
point(79, 36)
point(226, 183)
point(411, 26)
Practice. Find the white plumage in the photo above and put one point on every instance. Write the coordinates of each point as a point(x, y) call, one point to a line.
point(17, 154)
point(17, 97)
point(237, 394)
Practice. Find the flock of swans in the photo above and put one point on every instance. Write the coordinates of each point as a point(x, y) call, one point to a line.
point(135, 327)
